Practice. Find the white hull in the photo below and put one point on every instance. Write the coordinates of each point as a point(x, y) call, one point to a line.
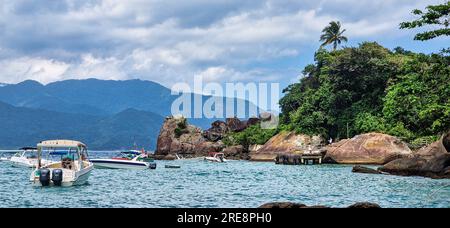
point(212, 159)
point(119, 164)
point(71, 178)
point(26, 163)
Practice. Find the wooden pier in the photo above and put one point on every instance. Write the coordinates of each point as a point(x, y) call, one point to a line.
point(299, 159)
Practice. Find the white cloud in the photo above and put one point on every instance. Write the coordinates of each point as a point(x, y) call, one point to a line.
point(171, 41)
point(20, 69)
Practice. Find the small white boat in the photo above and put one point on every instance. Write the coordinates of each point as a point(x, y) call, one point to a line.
point(216, 157)
point(26, 158)
point(73, 169)
point(125, 160)
point(4, 159)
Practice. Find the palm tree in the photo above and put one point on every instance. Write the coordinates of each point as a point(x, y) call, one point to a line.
point(332, 34)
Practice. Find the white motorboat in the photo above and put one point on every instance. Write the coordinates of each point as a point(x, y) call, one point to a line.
point(73, 168)
point(125, 160)
point(216, 157)
point(26, 158)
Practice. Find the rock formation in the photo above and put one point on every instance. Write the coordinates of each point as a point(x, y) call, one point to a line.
point(430, 161)
point(178, 137)
point(372, 148)
point(298, 205)
point(286, 143)
point(362, 169)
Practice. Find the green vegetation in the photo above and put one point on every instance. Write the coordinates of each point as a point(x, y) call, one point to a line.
point(250, 136)
point(437, 16)
point(181, 128)
point(332, 34)
point(370, 88)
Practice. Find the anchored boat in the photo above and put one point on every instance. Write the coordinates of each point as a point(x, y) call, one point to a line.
point(73, 168)
point(125, 160)
point(216, 157)
point(26, 157)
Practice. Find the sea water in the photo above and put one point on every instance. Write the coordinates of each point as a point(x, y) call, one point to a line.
point(235, 184)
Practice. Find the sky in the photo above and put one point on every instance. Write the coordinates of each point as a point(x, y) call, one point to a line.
point(171, 41)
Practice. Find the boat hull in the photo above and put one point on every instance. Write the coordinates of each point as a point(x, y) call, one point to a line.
point(26, 163)
point(79, 178)
point(211, 159)
point(119, 164)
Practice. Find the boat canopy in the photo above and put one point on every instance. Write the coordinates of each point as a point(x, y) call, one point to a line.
point(61, 144)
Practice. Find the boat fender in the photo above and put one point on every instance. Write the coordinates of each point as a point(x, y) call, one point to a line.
point(152, 165)
point(57, 177)
point(44, 177)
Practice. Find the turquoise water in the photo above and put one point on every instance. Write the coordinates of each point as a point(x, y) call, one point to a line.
point(235, 184)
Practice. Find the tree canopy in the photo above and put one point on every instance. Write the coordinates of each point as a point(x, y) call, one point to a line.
point(436, 15)
point(370, 88)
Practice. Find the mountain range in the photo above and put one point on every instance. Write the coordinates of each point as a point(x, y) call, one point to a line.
point(104, 114)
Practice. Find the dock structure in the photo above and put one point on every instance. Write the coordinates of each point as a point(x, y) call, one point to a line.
point(299, 159)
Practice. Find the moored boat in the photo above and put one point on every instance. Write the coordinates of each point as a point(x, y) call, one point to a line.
point(74, 167)
point(27, 158)
point(125, 160)
point(216, 157)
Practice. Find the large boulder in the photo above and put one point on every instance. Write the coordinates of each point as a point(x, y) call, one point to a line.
point(286, 143)
point(372, 148)
point(430, 161)
point(217, 131)
point(446, 141)
point(235, 124)
point(277, 205)
point(366, 170)
point(235, 152)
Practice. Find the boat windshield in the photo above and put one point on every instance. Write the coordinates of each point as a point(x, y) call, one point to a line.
point(127, 155)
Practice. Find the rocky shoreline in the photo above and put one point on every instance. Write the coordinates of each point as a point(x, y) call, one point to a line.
point(291, 205)
point(178, 138)
point(431, 161)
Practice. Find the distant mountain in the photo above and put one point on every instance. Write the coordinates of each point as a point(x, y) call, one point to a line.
point(27, 126)
point(96, 97)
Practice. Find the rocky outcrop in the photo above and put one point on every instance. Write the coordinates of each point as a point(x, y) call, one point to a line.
point(299, 205)
point(364, 205)
point(235, 124)
point(217, 131)
point(277, 205)
point(288, 143)
point(178, 137)
point(235, 152)
point(372, 148)
point(431, 161)
point(366, 170)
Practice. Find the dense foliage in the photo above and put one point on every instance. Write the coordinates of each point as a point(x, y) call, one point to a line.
point(370, 88)
point(253, 135)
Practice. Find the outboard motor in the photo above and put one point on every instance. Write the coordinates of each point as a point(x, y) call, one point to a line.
point(152, 166)
point(57, 177)
point(44, 177)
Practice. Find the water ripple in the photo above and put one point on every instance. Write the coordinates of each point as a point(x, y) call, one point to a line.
point(235, 184)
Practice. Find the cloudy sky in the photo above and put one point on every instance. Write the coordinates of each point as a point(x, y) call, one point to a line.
point(170, 41)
